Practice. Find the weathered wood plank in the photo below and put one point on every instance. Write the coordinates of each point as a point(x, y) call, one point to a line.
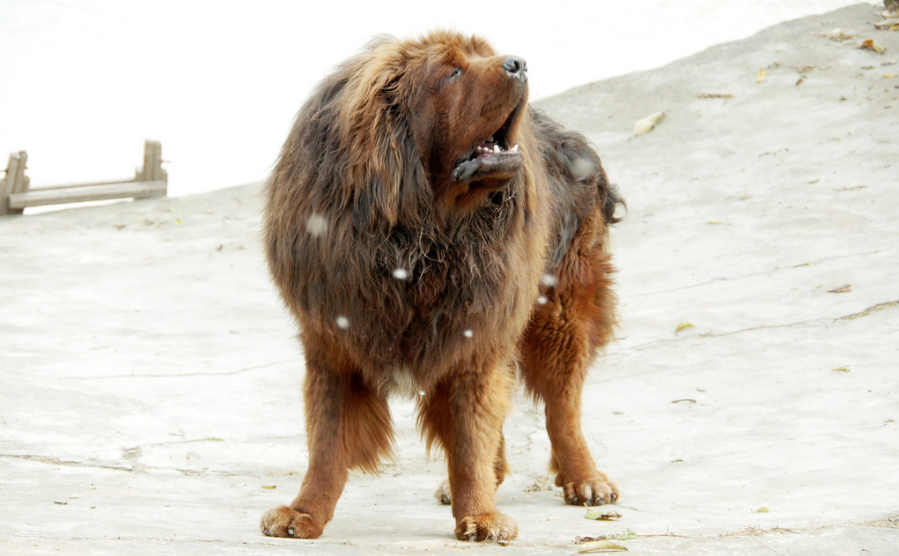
point(37, 198)
point(81, 184)
point(8, 185)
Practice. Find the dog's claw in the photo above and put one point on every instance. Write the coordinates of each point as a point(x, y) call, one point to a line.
point(494, 527)
point(287, 522)
point(595, 491)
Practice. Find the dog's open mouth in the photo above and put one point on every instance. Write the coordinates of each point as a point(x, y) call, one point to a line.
point(496, 158)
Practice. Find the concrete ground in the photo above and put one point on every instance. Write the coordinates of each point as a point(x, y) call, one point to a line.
point(150, 379)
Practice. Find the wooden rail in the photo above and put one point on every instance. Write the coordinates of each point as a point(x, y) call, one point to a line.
point(16, 195)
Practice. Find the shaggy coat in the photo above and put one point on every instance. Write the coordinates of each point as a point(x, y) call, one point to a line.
point(428, 230)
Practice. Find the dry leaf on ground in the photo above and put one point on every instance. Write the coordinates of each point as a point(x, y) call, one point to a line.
point(761, 75)
point(871, 45)
point(600, 546)
point(839, 35)
point(845, 288)
point(646, 124)
point(602, 515)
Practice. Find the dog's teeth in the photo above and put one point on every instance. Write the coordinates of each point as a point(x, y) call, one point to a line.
point(496, 148)
point(490, 140)
point(515, 148)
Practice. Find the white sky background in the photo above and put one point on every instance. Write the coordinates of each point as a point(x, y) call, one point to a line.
point(84, 82)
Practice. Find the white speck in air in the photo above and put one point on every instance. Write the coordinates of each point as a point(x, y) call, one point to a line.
point(548, 280)
point(316, 225)
point(343, 322)
point(582, 168)
point(468, 333)
point(400, 273)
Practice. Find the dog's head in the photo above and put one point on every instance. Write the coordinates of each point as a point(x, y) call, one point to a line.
point(443, 113)
point(468, 105)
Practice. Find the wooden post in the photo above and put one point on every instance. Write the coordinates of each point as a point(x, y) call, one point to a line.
point(15, 182)
point(152, 170)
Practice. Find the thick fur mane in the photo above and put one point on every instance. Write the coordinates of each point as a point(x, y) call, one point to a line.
point(389, 270)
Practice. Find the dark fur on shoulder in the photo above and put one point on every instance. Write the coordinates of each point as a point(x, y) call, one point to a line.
point(427, 229)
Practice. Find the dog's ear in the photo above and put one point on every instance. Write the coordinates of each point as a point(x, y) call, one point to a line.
point(383, 165)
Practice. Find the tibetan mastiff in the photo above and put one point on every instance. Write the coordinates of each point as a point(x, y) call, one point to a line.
point(434, 235)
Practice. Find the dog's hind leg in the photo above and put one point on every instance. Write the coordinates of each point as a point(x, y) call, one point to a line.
point(464, 415)
point(348, 426)
point(559, 345)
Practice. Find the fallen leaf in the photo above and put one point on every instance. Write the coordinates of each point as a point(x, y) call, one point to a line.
point(801, 79)
point(839, 35)
point(267, 487)
point(541, 484)
point(871, 45)
point(715, 95)
point(682, 326)
point(600, 546)
point(761, 75)
point(845, 288)
point(648, 123)
point(684, 400)
point(599, 515)
point(842, 369)
point(763, 510)
point(889, 75)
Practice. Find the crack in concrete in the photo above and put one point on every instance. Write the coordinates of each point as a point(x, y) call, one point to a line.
point(180, 375)
point(138, 468)
point(763, 273)
point(868, 311)
point(69, 463)
point(826, 320)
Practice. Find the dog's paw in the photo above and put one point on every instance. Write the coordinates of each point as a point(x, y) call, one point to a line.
point(287, 522)
point(487, 527)
point(595, 491)
point(443, 493)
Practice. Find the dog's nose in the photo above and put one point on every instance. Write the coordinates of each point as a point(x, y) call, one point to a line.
point(516, 67)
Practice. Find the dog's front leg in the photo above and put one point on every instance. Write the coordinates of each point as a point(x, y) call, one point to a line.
point(348, 426)
point(465, 414)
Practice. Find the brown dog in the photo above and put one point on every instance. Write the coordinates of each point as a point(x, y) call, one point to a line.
point(428, 230)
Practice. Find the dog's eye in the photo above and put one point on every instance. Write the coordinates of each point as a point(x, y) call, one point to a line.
point(456, 74)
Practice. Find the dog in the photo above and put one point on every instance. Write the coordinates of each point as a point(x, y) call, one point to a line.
point(430, 230)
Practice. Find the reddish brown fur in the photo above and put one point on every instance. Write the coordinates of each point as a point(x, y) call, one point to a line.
point(378, 174)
